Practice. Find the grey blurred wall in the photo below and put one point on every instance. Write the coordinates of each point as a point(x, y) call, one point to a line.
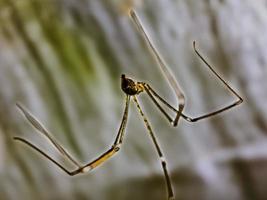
point(63, 60)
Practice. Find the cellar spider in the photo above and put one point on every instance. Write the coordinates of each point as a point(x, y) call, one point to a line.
point(132, 89)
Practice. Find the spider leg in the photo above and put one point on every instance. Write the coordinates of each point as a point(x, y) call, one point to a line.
point(173, 83)
point(160, 154)
point(95, 163)
point(216, 73)
point(155, 96)
point(237, 102)
point(42, 153)
point(121, 132)
point(38, 126)
point(151, 93)
point(116, 145)
point(162, 64)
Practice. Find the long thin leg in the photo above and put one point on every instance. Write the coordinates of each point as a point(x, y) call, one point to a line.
point(153, 95)
point(167, 72)
point(237, 102)
point(36, 124)
point(43, 153)
point(101, 159)
point(190, 119)
point(120, 135)
point(156, 144)
point(162, 64)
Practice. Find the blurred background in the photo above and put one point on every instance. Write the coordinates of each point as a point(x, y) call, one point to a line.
point(63, 59)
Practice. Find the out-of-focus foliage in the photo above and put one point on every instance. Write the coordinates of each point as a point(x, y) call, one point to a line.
point(63, 60)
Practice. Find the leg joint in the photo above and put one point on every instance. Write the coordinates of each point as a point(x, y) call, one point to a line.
point(116, 147)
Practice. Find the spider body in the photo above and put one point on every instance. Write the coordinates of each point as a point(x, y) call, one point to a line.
point(131, 87)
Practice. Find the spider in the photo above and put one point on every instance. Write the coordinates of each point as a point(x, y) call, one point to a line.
point(132, 89)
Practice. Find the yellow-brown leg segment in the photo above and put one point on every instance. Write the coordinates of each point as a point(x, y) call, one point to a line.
point(115, 147)
point(100, 160)
point(156, 144)
point(85, 168)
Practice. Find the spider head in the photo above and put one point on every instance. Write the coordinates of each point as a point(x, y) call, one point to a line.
point(129, 86)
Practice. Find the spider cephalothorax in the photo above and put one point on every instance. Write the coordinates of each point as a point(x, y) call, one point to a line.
point(131, 87)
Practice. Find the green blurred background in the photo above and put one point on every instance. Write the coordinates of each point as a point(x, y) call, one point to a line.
point(63, 59)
